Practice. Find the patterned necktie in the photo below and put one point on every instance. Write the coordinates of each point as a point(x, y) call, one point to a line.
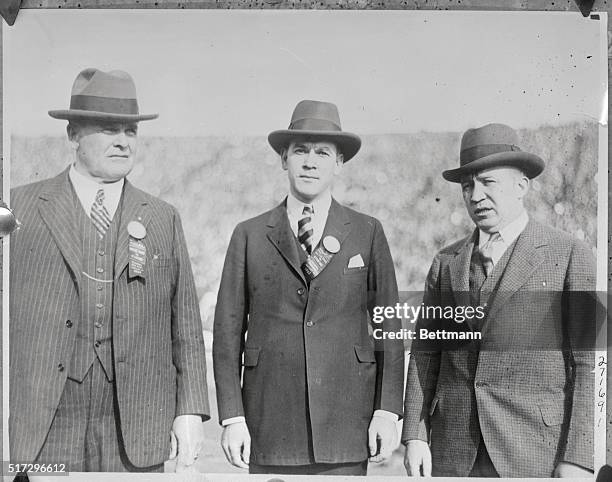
point(305, 229)
point(99, 214)
point(486, 252)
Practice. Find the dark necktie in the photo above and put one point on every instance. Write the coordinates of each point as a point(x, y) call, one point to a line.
point(305, 229)
point(99, 214)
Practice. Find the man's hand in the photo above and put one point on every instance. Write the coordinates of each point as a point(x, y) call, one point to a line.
point(418, 456)
point(384, 430)
point(186, 440)
point(236, 444)
point(567, 470)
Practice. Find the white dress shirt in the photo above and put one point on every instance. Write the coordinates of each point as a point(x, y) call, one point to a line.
point(320, 208)
point(86, 190)
point(508, 235)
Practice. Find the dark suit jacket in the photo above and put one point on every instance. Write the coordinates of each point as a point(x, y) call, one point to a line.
point(530, 388)
point(313, 375)
point(157, 333)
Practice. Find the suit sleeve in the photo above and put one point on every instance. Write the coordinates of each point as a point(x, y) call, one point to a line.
point(423, 370)
point(382, 288)
point(580, 313)
point(230, 327)
point(188, 351)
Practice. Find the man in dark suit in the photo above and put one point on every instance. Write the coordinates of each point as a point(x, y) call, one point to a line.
point(518, 403)
point(107, 363)
point(318, 393)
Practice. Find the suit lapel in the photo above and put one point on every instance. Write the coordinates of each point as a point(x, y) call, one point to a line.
point(460, 271)
point(338, 224)
point(57, 212)
point(282, 238)
point(134, 207)
point(523, 262)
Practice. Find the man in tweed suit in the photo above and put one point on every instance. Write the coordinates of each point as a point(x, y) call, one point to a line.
point(519, 404)
point(318, 394)
point(107, 359)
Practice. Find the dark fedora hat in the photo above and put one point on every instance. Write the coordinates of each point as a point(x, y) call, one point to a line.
point(313, 119)
point(106, 96)
point(493, 145)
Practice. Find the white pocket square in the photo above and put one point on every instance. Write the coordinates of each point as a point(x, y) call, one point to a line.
point(356, 262)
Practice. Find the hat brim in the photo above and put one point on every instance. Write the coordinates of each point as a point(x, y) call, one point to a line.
point(71, 114)
point(530, 164)
point(348, 143)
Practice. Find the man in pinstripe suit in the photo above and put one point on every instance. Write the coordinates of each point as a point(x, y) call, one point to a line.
point(520, 404)
point(107, 359)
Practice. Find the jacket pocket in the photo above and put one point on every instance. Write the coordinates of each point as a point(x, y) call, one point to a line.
point(551, 413)
point(365, 354)
point(251, 357)
point(361, 270)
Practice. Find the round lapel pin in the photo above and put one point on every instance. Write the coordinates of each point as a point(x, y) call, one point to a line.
point(331, 244)
point(136, 230)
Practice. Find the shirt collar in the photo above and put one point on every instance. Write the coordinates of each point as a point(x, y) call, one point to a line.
point(508, 233)
point(86, 190)
point(320, 205)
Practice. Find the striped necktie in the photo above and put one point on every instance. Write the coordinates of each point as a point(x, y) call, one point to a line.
point(305, 229)
point(99, 214)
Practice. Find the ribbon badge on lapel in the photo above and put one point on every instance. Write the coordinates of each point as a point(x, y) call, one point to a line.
point(320, 257)
point(136, 248)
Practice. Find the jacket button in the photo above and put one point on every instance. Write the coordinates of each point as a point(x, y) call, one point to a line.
point(97, 343)
point(309, 323)
point(69, 323)
point(300, 291)
point(60, 367)
point(98, 324)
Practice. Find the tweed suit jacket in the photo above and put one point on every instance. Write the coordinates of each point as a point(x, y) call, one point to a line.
point(529, 388)
point(158, 346)
point(313, 374)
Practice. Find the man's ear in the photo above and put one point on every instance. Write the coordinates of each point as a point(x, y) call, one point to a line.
point(72, 136)
point(522, 184)
point(283, 156)
point(339, 163)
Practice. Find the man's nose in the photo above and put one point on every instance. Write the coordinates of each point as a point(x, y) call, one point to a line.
point(477, 193)
point(121, 139)
point(310, 159)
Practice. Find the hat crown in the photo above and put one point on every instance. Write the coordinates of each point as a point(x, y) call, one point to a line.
point(114, 84)
point(312, 120)
point(315, 115)
point(493, 146)
point(102, 96)
point(490, 134)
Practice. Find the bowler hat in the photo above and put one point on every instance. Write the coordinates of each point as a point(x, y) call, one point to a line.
point(493, 145)
point(106, 96)
point(313, 119)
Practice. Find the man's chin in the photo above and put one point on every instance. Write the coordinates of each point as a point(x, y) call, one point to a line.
point(114, 177)
point(307, 196)
point(485, 224)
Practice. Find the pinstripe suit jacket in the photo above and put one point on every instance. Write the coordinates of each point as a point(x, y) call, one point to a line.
point(157, 334)
point(313, 374)
point(530, 388)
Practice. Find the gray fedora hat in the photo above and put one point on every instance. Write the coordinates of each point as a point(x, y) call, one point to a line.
point(105, 96)
point(493, 145)
point(313, 119)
